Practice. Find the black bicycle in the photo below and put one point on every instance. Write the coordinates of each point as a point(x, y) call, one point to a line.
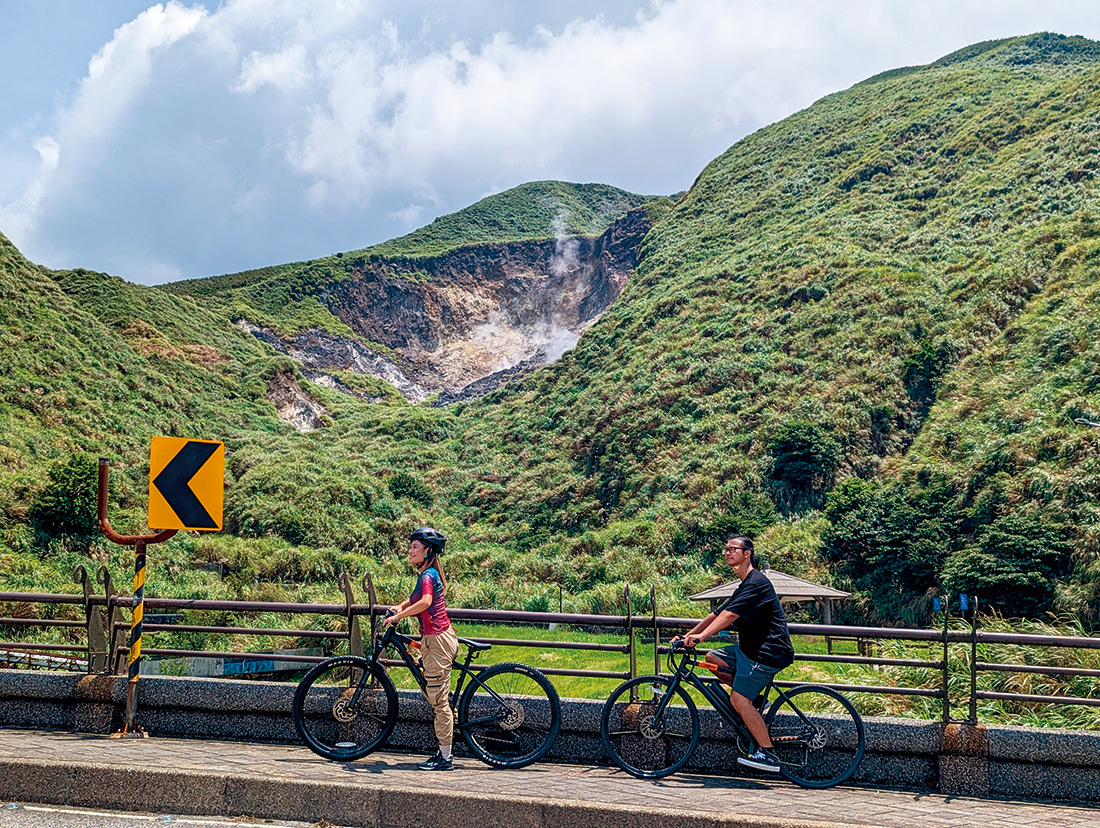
point(346, 707)
point(650, 725)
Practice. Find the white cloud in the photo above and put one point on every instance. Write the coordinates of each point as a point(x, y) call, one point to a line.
point(123, 68)
point(115, 76)
point(258, 131)
point(17, 218)
point(286, 71)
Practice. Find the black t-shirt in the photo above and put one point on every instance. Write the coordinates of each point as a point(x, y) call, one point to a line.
point(761, 623)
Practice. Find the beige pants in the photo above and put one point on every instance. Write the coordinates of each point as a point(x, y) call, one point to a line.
point(437, 655)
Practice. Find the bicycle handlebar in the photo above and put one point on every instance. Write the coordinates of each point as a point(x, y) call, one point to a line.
point(391, 635)
point(678, 648)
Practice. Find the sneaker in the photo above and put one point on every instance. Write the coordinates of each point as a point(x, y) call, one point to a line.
point(436, 762)
point(763, 760)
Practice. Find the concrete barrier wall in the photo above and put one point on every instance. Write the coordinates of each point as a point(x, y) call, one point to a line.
point(902, 753)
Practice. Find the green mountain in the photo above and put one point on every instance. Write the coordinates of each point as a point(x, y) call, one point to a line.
point(863, 335)
point(863, 290)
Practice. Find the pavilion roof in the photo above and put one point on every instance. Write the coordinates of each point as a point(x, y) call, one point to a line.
point(787, 587)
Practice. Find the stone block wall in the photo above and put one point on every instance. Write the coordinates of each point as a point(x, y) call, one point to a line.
point(901, 753)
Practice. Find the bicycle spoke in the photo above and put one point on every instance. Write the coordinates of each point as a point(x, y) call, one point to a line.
point(817, 735)
point(509, 715)
point(641, 741)
point(344, 708)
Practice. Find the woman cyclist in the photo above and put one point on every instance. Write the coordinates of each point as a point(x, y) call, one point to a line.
point(438, 642)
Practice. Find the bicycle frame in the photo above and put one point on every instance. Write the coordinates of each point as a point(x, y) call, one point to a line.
point(714, 691)
point(818, 740)
point(400, 642)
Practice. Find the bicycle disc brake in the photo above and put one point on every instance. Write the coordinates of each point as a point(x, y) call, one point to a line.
point(342, 711)
point(512, 716)
point(650, 728)
point(816, 738)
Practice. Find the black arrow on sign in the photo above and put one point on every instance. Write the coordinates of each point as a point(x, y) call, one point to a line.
point(172, 484)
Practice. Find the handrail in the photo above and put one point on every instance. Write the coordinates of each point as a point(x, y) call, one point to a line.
point(99, 612)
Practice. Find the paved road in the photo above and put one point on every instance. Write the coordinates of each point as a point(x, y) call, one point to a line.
point(14, 815)
point(177, 776)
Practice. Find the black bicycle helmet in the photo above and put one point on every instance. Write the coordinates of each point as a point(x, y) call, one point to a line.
point(430, 537)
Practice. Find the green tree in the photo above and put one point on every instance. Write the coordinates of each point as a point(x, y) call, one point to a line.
point(67, 503)
point(1012, 564)
point(804, 460)
point(890, 543)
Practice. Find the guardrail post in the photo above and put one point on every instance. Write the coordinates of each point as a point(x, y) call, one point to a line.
point(368, 585)
point(355, 638)
point(656, 631)
point(973, 662)
point(630, 632)
point(98, 657)
point(114, 651)
point(946, 668)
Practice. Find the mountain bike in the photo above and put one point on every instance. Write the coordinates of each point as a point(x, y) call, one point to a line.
point(346, 706)
point(650, 725)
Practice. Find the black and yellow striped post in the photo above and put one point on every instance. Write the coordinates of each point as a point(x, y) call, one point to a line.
point(131, 728)
point(133, 664)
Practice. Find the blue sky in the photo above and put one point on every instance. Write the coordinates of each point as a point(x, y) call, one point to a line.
point(176, 140)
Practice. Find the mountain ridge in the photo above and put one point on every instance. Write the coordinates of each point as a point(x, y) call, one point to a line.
point(816, 346)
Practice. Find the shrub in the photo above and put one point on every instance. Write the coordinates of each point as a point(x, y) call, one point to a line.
point(1012, 564)
point(804, 459)
point(403, 484)
point(67, 504)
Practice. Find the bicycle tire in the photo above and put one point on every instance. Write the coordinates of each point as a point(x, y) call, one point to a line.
point(322, 717)
point(817, 735)
point(639, 745)
point(515, 724)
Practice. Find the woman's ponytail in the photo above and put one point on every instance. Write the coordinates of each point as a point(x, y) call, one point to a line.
point(433, 561)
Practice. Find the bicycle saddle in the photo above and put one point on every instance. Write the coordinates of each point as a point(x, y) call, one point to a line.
point(475, 646)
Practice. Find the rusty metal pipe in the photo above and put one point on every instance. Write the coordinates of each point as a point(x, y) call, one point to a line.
point(104, 524)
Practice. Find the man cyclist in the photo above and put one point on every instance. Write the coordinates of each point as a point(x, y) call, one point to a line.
point(765, 644)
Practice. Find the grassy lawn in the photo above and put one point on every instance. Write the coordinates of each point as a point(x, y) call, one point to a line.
point(545, 657)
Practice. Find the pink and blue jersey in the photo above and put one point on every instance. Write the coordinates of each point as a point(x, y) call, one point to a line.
point(434, 619)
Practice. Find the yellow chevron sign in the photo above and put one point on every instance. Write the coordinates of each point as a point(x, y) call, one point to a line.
point(186, 484)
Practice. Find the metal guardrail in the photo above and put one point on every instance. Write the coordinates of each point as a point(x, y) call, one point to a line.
point(105, 648)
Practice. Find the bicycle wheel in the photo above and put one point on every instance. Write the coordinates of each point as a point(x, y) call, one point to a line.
point(511, 717)
point(345, 707)
point(817, 735)
point(640, 742)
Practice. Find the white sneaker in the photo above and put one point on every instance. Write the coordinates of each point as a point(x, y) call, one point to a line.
point(763, 760)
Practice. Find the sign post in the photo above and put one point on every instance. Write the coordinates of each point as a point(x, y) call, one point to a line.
point(185, 492)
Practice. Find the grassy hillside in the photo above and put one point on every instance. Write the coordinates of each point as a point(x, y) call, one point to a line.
point(912, 258)
point(94, 367)
point(863, 334)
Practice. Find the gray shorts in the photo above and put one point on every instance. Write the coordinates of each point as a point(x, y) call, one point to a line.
point(749, 677)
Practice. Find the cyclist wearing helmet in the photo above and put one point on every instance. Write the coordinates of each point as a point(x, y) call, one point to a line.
point(438, 643)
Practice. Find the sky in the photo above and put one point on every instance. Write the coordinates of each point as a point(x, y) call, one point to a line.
point(177, 140)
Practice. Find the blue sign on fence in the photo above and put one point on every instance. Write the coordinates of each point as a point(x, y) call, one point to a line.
point(237, 667)
point(964, 604)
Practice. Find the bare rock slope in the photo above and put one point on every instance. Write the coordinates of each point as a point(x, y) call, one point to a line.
point(462, 323)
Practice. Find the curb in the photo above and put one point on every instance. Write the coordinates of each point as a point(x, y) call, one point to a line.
point(357, 805)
